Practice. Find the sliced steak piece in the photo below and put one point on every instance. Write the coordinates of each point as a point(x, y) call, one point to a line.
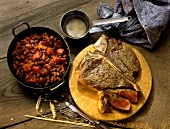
point(125, 93)
point(118, 102)
point(108, 101)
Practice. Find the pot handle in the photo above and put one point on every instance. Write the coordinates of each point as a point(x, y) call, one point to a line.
point(110, 21)
point(63, 81)
point(13, 30)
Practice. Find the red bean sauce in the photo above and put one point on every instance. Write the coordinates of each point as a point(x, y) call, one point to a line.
point(40, 60)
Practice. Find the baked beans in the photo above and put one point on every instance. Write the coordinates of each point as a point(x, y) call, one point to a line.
point(40, 59)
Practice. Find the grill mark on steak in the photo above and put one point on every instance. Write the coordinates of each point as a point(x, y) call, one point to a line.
point(130, 80)
point(127, 60)
point(121, 56)
point(101, 74)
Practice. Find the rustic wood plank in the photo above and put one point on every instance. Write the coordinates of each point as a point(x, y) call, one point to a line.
point(16, 101)
point(12, 99)
point(15, 8)
point(35, 17)
point(47, 125)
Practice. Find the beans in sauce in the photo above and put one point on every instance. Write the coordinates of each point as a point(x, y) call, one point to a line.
point(40, 60)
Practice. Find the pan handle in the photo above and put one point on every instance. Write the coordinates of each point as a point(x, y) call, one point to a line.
point(13, 30)
point(110, 21)
point(63, 81)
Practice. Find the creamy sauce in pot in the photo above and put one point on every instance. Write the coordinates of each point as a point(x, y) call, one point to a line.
point(76, 28)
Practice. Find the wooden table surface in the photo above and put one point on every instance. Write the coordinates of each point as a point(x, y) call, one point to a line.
point(17, 101)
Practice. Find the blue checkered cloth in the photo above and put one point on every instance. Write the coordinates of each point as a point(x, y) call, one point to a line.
point(149, 19)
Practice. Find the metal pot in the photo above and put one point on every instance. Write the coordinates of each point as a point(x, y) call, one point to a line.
point(35, 30)
point(76, 24)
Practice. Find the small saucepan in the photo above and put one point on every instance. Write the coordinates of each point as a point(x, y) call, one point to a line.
point(76, 24)
point(33, 59)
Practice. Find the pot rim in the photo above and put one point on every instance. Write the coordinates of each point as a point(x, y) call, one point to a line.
point(80, 13)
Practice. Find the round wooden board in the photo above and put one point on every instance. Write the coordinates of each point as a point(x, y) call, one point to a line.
point(86, 98)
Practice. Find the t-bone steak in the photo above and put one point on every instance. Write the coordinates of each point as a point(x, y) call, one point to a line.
point(110, 70)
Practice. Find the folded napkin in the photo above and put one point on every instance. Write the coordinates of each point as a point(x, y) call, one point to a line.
point(149, 19)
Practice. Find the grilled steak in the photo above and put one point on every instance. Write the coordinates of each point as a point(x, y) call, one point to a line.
point(112, 69)
point(98, 74)
point(125, 93)
point(109, 101)
point(119, 102)
point(126, 60)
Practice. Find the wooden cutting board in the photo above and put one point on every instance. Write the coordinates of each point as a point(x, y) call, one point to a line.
point(86, 98)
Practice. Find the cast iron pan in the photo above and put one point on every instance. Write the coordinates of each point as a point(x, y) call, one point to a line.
point(22, 35)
